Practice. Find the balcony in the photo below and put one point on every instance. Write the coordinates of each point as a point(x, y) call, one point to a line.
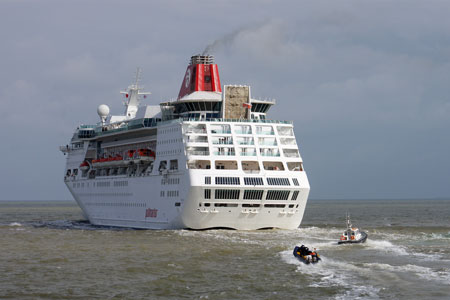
point(265, 132)
point(248, 153)
point(202, 153)
point(271, 154)
point(197, 139)
point(245, 141)
point(285, 131)
point(291, 153)
point(220, 131)
point(243, 131)
point(271, 142)
point(288, 141)
point(223, 141)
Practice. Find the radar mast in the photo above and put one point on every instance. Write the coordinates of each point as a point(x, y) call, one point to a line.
point(132, 94)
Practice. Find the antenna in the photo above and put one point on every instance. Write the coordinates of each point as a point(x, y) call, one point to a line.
point(138, 76)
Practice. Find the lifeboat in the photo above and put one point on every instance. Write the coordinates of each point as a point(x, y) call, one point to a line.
point(146, 155)
point(84, 166)
point(130, 153)
point(108, 162)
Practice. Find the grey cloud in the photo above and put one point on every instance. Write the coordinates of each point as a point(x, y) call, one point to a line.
point(366, 83)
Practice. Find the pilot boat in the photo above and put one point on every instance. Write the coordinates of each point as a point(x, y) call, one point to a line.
point(352, 235)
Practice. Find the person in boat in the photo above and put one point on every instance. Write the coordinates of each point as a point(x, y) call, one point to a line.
point(304, 250)
point(314, 255)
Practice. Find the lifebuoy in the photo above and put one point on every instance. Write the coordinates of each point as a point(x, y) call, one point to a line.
point(353, 237)
point(342, 238)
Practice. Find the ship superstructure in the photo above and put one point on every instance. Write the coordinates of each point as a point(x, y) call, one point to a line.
point(209, 159)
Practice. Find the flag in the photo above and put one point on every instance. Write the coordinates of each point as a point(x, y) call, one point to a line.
point(247, 105)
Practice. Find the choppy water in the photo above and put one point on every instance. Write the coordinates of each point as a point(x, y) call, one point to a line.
point(48, 252)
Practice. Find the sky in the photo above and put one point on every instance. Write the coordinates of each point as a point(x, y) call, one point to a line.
point(366, 83)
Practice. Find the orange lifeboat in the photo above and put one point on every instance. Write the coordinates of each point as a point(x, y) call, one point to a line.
point(84, 166)
point(146, 155)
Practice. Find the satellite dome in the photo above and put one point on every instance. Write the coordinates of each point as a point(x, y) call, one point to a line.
point(103, 110)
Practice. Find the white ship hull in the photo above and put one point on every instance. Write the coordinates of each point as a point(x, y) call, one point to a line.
point(127, 206)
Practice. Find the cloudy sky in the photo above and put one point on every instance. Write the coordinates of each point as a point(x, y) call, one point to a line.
point(367, 83)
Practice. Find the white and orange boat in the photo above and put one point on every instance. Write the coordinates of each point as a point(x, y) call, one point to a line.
point(352, 235)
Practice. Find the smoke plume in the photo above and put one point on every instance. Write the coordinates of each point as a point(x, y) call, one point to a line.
point(228, 39)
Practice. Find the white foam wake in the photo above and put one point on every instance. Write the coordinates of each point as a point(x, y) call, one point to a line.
point(333, 273)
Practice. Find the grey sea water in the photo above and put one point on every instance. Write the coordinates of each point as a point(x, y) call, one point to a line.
point(48, 252)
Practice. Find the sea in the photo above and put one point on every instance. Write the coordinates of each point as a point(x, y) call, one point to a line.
point(48, 251)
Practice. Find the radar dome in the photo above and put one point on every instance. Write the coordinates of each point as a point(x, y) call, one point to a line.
point(103, 110)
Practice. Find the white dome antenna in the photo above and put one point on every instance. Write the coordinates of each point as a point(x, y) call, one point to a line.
point(103, 112)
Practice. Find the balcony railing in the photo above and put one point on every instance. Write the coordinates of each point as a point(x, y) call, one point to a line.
point(197, 140)
point(270, 154)
point(288, 142)
point(268, 143)
point(204, 153)
point(224, 153)
point(151, 123)
point(243, 131)
point(246, 142)
point(222, 142)
point(219, 131)
point(248, 153)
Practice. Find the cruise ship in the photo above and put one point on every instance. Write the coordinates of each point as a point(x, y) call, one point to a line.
point(209, 158)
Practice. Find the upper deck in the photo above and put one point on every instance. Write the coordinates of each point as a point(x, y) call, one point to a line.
point(91, 132)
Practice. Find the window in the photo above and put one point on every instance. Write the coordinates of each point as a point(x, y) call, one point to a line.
point(226, 164)
point(162, 165)
point(295, 181)
point(208, 180)
point(253, 194)
point(273, 165)
point(295, 166)
point(285, 131)
point(225, 204)
point(199, 164)
point(253, 181)
point(174, 164)
point(278, 181)
point(275, 205)
point(294, 195)
point(251, 205)
point(207, 194)
point(277, 195)
point(291, 153)
point(228, 180)
point(226, 194)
